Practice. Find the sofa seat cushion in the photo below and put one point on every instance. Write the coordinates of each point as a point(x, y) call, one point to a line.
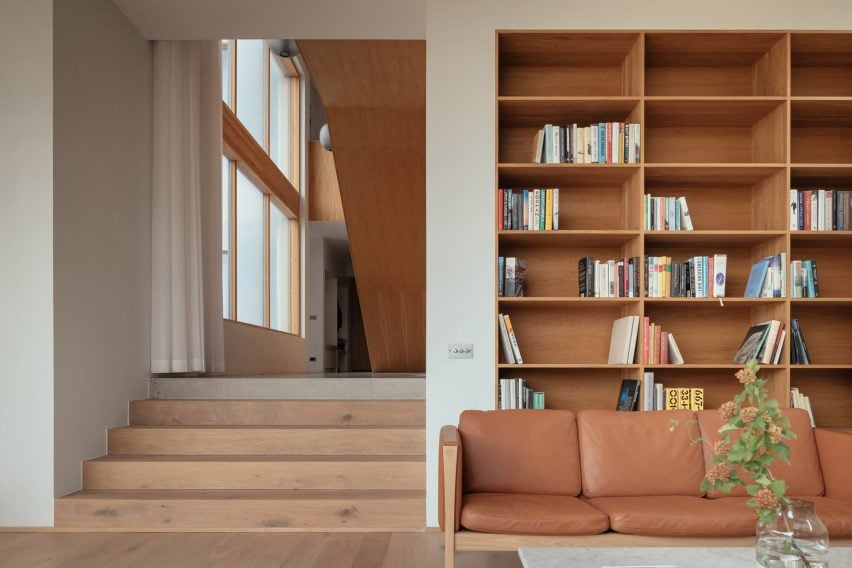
point(512, 513)
point(836, 515)
point(679, 516)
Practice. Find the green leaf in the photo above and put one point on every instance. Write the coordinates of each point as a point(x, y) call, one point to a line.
point(783, 452)
point(752, 490)
point(778, 487)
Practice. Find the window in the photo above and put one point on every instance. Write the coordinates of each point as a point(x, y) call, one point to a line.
point(260, 197)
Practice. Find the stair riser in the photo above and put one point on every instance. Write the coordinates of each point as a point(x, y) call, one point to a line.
point(330, 514)
point(253, 475)
point(288, 389)
point(277, 413)
point(260, 441)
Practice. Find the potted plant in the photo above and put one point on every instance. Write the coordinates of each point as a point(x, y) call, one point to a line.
point(753, 436)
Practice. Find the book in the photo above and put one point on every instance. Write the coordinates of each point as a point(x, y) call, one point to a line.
point(648, 388)
point(696, 399)
point(505, 342)
point(622, 345)
point(538, 400)
point(628, 396)
point(752, 342)
point(720, 267)
point(680, 398)
point(756, 277)
point(538, 146)
point(675, 356)
point(513, 340)
point(659, 396)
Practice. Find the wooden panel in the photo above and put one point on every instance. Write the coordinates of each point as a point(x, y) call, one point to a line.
point(323, 190)
point(375, 96)
point(277, 413)
point(825, 329)
point(295, 510)
point(468, 540)
point(821, 64)
point(248, 472)
point(576, 389)
point(266, 441)
point(834, 263)
point(241, 146)
point(829, 390)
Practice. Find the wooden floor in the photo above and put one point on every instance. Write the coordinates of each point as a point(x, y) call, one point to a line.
point(237, 550)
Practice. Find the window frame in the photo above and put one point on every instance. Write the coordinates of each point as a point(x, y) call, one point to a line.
point(245, 153)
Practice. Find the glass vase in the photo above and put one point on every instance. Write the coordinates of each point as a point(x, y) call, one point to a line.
point(796, 538)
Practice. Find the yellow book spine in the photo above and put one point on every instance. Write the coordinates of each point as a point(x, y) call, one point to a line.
point(548, 212)
point(672, 399)
point(684, 399)
point(696, 399)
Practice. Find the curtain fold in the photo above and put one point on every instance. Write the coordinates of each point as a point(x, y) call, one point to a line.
point(187, 334)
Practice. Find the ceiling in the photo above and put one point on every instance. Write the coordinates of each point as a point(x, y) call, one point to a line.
point(309, 19)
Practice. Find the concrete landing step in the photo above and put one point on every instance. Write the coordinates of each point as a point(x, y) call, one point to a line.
point(384, 510)
point(255, 472)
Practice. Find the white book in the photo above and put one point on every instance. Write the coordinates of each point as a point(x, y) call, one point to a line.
point(536, 209)
point(575, 140)
point(539, 146)
point(505, 344)
point(513, 340)
point(767, 351)
point(783, 274)
point(595, 142)
point(611, 273)
point(623, 335)
point(766, 289)
point(810, 410)
point(631, 148)
point(616, 154)
point(587, 137)
point(820, 210)
point(557, 157)
point(637, 143)
point(796, 279)
point(675, 356)
point(720, 267)
point(603, 281)
point(794, 209)
point(685, 219)
point(829, 210)
point(598, 287)
point(648, 391)
point(581, 145)
point(659, 396)
point(555, 208)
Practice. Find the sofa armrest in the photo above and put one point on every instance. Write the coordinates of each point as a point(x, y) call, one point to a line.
point(835, 460)
point(449, 474)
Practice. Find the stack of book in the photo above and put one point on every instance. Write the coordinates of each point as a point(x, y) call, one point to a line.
point(622, 343)
point(697, 277)
point(768, 278)
point(820, 210)
point(508, 341)
point(528, 209)
point(798, 400)
point(601, 143)
point(805, 279)
point(763, 341)
point(666, 214)
point(659, 347)
point(511, 273)
point(608, 278)
point(514, 393)
point(798, 348)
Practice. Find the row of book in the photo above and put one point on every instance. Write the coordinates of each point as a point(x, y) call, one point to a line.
point(528, 209)
point(659, 347)
point(601, 143)
point(511, 273)
point(666, 214)
point(799, 354)
point(656, 396)
point(820, 210)
point(798, 400)
point(608, 278)
point(763, 341)
point(805, 279)
point(768, 278)
point(509, 341)
point(697, 277)
point(514, 393)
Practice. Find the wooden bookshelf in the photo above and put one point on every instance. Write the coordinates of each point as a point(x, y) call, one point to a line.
point(731, 120)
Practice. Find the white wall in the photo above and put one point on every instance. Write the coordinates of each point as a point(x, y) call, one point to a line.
point(102, 225)
point(26, 263)
point(460, 162)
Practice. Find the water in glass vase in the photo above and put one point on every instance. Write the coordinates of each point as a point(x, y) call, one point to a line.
point(774, 551)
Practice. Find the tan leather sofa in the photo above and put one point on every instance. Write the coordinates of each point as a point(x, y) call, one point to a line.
point(514, 478)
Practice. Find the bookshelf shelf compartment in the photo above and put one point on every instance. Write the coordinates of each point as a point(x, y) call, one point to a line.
point(821, 64)
point(821, 131)
point(834, 261)
point(719, 384)
point(715, 64)
point(577, 389)
point(830, 390)
point(825, 327)
point(715, 131)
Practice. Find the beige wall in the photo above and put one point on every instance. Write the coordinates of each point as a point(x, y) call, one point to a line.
point(460, 162)
point(252, 350)
point(26, 263)
point(102, 225)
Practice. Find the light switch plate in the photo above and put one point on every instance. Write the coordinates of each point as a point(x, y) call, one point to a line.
point(460, 350)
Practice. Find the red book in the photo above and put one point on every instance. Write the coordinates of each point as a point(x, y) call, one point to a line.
point(500, 199)
point(664, 348)
point(709, 277)
point(609, 142)
point(806, 201)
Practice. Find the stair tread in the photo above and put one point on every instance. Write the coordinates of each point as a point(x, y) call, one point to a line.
point(246, 494)
point(269, 427)
point(416, 458)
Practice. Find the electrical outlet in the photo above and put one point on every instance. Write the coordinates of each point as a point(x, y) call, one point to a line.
point(460, 350)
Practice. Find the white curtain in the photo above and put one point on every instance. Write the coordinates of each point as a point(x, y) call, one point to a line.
point(186, 301)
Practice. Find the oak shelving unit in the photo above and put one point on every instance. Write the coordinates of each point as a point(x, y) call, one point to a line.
point(732, 121)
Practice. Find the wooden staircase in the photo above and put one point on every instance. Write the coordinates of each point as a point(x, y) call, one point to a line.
point(257, 465)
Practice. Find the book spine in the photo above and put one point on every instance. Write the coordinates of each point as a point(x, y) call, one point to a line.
point(645, 340)
point(595, 145)
point(525, 218)
point(513, 340)
point(555, 208)
point(648, 391)
point(696, 399)
point(820, 220)
point(672, 398)
point(814, 278)
point(664, 348)
point(814, 210)
point(501, 275)
point(637, 144)
point(794, 210)
point(609, 143)
point(548, 212)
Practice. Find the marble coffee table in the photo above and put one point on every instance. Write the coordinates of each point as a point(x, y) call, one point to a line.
point(656, 557)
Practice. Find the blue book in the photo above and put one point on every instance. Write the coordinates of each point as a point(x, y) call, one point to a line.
point(756, 278)
point(602, 143)
point(526, 214)
point(548, 143)
point(809, 279)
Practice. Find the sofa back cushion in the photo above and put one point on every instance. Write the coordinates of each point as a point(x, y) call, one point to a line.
point(520, 451)
point(628, 454)
point(802, 475)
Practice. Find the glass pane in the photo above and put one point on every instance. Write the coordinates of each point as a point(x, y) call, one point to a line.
point(249, 251)
point(250, 87)
point(279, 116)
point(226, 237)
point(226, 71)
point(279, 269)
